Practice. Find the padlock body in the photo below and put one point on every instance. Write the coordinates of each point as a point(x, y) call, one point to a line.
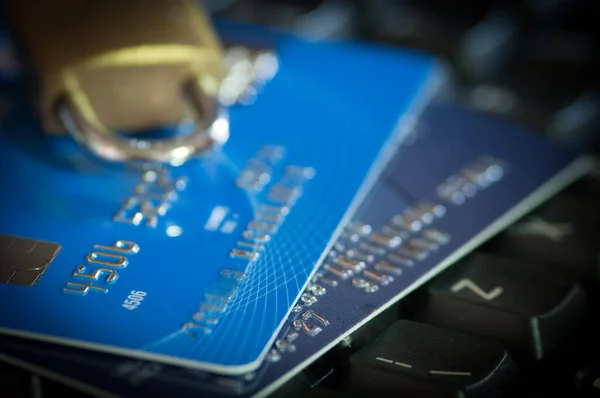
point(131, 58)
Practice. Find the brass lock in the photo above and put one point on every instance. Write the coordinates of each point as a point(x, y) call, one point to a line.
point(123, 65)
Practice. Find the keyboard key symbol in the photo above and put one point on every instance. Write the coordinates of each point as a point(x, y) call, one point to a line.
point(23, 261)
point(472, 286)
point(536, 226)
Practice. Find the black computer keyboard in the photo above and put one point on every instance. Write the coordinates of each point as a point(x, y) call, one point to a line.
point(529, 287)
point(535, 282)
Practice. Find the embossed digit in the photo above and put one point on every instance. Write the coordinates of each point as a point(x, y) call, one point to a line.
point(121, 246)
point(109, 274)
point(302, 324)
point(83, 289)
point(107, 259)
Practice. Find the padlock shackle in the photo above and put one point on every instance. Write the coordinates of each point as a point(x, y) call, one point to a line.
point(211, 130)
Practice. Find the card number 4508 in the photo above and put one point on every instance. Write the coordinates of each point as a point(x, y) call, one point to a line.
point(134, 299)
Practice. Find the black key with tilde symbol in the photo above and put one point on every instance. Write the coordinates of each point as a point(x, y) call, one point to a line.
point(527, 310)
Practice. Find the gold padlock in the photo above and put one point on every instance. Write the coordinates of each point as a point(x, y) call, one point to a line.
point(123, 65)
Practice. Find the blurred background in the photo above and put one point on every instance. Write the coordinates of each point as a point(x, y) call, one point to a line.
point(533, 61)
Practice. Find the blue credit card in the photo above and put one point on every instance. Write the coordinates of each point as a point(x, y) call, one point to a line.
point(461, 178)
point(200, 265)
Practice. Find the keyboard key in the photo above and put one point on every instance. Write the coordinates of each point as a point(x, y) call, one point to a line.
point(50, 388)
point(587, 380)
point(299, 385)
point(577, 122)
point(434, 28)
point(319, 392)
point(553, 68)
point(486, 47)
point(414, 360)
point(527, 310)
point(328, 370)
point(588, 187)
point(14, 382)
point(563, 234)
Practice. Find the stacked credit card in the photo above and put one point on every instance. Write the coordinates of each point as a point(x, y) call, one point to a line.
point(344, 186)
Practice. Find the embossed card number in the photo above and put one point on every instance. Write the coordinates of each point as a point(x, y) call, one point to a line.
point(152, 197)
point(101, 267)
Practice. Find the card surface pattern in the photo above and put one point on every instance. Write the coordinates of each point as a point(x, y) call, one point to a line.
point(200, 265)
point(460, 178)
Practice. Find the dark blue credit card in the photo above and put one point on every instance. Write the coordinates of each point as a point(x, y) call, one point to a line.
point(461, 178)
